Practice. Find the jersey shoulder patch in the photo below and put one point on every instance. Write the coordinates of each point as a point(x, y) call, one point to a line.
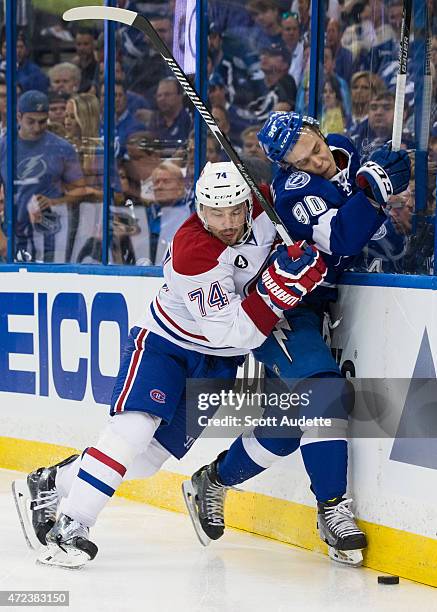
point(297, 180)
point(195, 251)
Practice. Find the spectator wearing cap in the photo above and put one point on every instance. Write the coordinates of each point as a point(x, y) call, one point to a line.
point(57, 106)
point(267, 30)
point(217, 97)
point(85, 58)
point(171, 121)
point(343, 58)
point(48, 175)
point(29, 75)
point(292, 42)
point(238, 65)
point(65, 77)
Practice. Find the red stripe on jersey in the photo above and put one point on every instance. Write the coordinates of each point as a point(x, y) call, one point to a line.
point(258, 311)
point(257, 208)
point(181, 329)
point(114, 465)
point(132, 371)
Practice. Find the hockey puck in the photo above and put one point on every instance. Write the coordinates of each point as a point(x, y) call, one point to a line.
point(388, 579)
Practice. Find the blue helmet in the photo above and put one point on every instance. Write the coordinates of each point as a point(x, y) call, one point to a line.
point(280, 133)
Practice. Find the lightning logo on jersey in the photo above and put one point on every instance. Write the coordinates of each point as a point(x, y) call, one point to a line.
point(281, 336)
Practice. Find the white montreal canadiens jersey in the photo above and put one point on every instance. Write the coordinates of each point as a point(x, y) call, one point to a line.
point(204, 304)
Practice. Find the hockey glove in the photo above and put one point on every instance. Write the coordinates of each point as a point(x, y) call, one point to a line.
point(386, 173)
point(292, 273)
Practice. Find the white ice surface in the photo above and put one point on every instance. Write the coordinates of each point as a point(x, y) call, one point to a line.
point(150, 560)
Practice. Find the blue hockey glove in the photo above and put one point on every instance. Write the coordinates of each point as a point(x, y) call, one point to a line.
point(386, 173)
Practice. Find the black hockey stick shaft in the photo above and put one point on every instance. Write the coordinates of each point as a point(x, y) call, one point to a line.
point(141, 23)
point(401, 79)
point(425, 114)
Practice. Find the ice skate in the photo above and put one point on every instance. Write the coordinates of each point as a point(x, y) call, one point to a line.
point(36, 500)
point(68, 545)
point(338, 529)
point(205, 500)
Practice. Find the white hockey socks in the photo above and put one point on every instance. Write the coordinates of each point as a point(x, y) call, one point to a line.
point(65, 477)
point(103, 466)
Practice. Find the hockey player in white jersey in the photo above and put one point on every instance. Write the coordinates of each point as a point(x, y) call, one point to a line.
point(212, 309)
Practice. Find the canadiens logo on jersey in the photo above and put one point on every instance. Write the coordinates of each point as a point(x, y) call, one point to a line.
point(158, 396)
point(241, 262)
point(297, 180)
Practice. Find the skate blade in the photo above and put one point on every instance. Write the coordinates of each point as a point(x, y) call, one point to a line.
point(22, 499)
point(57, 557)
point(354, 558)
point(189, 495)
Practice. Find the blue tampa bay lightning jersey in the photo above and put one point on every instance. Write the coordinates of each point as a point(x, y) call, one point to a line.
point(333, 214)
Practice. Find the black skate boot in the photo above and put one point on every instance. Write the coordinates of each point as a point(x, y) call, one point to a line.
point(37, 501)
point(68, 544)
point(338, 529)
point(205, 500)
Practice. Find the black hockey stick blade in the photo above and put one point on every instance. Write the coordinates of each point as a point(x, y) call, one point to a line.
point(401, 80)
point(132, 18)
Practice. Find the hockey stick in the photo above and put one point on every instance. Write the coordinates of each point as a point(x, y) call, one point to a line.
point(401, 79)
point(132, 18)
point(427, 89)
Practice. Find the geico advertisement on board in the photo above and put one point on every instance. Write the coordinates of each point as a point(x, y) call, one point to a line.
point(62, 336)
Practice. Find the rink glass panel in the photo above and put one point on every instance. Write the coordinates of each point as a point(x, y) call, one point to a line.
point(363, 105)
point(153, 126)
point(138, 225)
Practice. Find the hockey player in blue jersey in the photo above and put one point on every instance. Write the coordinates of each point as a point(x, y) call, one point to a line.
point(324, 196)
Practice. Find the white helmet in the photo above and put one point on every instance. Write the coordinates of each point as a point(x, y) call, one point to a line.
point(220, 186)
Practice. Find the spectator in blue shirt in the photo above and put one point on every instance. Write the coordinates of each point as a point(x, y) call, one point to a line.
point(48, 174)
point(29, 75)
point(343, 58)
point(267, 30)
point(125, 122)
point(171, 121)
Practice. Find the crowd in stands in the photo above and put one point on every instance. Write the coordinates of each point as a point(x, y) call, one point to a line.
point(258, 61)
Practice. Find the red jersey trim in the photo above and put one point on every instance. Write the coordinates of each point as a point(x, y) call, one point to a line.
point(178, 327)
point(195, 251)
point(257, 208)
point(258, 311)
